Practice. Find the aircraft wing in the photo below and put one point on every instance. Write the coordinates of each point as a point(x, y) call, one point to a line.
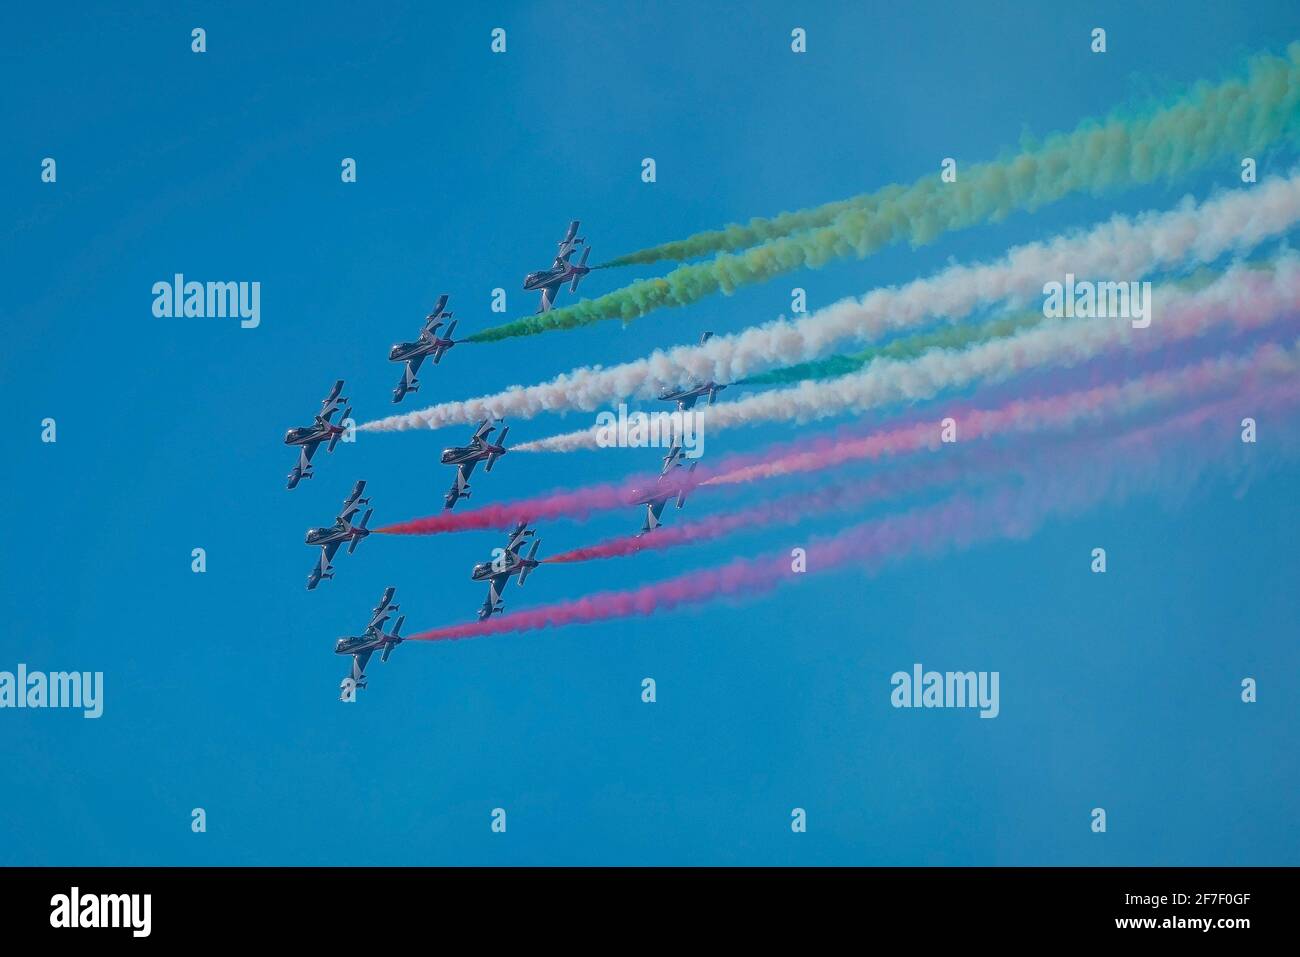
point(413, 366)
point(429, 332)
point(352, 504)
point(359, 662)
point(380, 613)
point(459, 484)
point(305, 452)
point(670, 460)
point(496, 587)
point(548, 296)
point(569, 241)
point(653, 511)
point(332, 402)
point(327, 553)
point(485, 429)
point(518, 539)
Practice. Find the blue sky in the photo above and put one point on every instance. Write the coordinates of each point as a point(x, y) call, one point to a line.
point(1118, 691)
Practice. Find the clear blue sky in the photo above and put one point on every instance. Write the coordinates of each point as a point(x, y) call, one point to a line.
point(1119, 691)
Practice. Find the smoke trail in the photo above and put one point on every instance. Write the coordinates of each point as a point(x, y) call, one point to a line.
point(1267, 364)
point(1243, 298)
point(908, 347)
point(1059, 411)
point(1212, 123)
point(1131, 466)
point(1270, 86)
point(793, 508)
point(1233, 222)
point(566, 503)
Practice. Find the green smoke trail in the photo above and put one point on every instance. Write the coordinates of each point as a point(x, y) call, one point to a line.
point(1145, 138)
point(1211, 122)
point(907, 347)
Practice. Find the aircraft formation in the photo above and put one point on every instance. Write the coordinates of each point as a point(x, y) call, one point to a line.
point(518, 557)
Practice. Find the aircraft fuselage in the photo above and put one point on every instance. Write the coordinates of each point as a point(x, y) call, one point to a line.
point(463, 455)
point(308, 434)
point(334, 533)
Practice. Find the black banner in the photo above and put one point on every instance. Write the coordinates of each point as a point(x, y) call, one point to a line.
point(209, 905)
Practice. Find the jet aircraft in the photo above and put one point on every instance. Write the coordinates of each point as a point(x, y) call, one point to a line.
point(685, 398)
point(429, 343)
point(308, 437)
point(549, 281)
point(329, 539)
point(670, 484)
point(465, 457)
point(510, 562)
point(373, 639)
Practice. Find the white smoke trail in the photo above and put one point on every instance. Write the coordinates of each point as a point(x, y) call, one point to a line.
point(1243, 296)
point(1126, 248)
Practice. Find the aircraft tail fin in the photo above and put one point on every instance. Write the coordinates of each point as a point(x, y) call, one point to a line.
point(681, 493)
point(573, 287)
point(532, 555)
point(501, 441)
point(388, 647)
point(334, 439)
point(352, 545)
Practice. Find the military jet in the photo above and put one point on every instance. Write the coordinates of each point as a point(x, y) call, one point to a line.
point(308, 437)
point(510, 562)
point(429, 343)
point(669, 484)
point(329, 539)
point(550, 280)
point(465, 457)
point(685, 398)
point(373, 639)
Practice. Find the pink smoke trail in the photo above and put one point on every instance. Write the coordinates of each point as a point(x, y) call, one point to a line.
point(957, 523)
point(793, 508)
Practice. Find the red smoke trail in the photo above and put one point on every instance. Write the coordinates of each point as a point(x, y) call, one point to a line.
point(793, 508)
point(1016, 512)
point(572, 503)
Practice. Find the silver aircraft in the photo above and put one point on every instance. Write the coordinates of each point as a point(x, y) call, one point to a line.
point(685, 398)
point(429, 343)
point(465, 457)
point(506, 563)
point(373, 639)
point(670, 484)
point(329, 539)
point(308, 437)
point(549, 281)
